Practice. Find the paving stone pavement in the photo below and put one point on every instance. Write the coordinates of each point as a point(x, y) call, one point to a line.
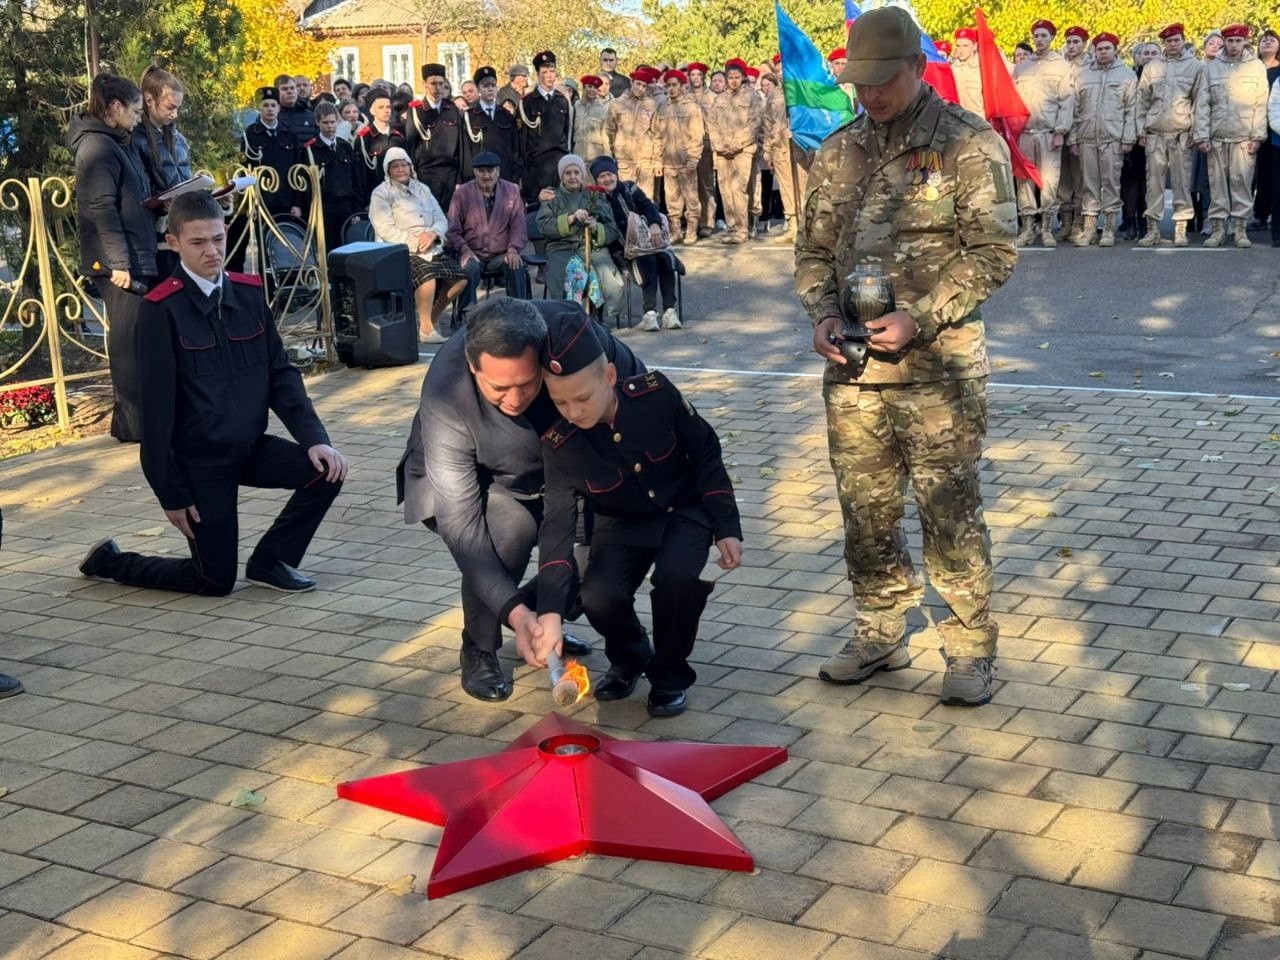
point(1119, 799)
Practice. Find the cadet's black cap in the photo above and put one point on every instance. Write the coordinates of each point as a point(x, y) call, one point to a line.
point(430, 70)
point(486, 159)
point(545, 59)
point(483, 74)
point(573, 339)
point(267, 93)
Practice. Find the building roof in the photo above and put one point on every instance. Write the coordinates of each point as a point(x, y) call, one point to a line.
point(361, 14)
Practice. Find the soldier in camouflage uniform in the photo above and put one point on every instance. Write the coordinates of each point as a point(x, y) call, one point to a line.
point(1044, 82)
point(922, 189)
point(682, 131)
point(632, 131)
point(734, 124)
point(1103, 131)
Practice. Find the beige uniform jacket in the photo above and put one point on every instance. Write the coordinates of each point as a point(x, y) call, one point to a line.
point(682, 132)
point(589, 140)
point(1169, 95)
point(735, 121)
point(928, 197)
point(631, 130)
point(1105, 105)
point(1045, 85)
point(776, 128)
point(969, 84)
point(1234, 108)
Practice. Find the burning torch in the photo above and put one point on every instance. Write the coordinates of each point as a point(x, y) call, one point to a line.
point(569, 680)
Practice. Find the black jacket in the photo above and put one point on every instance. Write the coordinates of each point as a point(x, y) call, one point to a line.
point(474, 446)
point(627, 198)
point(212, 375)
point(116, 231)
point(301, 119)
point(657, 458)
point(435, 137)
point(342, 178)
point(278, 149)
point(165, 167)
point(501, 135)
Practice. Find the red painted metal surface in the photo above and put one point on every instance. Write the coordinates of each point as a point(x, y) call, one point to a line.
point(564, 789)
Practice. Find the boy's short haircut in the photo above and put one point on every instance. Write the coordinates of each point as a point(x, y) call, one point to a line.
point(196, 205)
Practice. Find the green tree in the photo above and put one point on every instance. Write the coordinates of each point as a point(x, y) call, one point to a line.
point(715, 30)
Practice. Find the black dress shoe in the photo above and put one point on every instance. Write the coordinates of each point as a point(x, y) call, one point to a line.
point(575, 647)
point(97, 562)
point(9, 686)
point(667, 703)
point(482, 675)
point(615, 686)
point(278, 576)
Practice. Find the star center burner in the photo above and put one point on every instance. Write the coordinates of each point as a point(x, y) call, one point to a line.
point(564, 789)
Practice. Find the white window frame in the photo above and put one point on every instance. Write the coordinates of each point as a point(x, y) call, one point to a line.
point(399, 51)
point(341, 58)
point(456, 58)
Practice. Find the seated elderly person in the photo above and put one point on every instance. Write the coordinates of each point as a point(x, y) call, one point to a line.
point(571, 217)
point(402, 210)
point(655, 269)
point(487, 229)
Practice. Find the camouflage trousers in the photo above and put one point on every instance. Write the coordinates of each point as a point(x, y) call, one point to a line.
point(880, 437)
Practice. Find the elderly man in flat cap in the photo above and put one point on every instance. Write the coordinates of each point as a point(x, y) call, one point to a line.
point(487, 229)
point(918, 194)
point(1230, 130)
point(1169, 98)
point(1043, 80)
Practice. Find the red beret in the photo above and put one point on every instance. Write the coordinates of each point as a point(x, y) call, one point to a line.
point(752, 73)
point(943, 46)
point(1173, 30)
point(675, 75)
point(700, 67)
point(737, 63)
point(1044, 25)
point(643, 74)
point(777, 58)
point(1235, 30)
point(1110, 38)
point(967, 33)
point(1080, 32)
point(590, 80)
point(837, 54)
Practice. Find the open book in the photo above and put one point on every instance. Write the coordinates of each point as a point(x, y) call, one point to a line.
point(199, 182)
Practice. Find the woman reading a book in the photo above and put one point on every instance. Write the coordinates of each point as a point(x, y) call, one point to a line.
point(161, 148)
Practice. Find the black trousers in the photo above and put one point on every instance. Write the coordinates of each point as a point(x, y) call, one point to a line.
point(441, 181)
point(275, 463)
point(679, 595)
point(1265, 174)
point(123, 308)
point(516, 280)
point(539, 172)
point(656, 269)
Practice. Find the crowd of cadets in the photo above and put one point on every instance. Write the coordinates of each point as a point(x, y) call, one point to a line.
point(1108, 138)
point(712, 147)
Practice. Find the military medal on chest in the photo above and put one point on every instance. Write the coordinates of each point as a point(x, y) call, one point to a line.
point(924, 175)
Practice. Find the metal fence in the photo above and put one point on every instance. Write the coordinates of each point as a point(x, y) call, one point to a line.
point(53, 328)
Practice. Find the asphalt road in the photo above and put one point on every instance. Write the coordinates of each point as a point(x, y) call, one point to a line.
point(1185, 320)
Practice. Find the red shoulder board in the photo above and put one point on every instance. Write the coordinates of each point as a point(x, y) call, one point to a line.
point(642, 384)
point(250, 279)
point(415, 103)
point(310, 142)
point(559, 434)
point(166, 289)
point(365, 131)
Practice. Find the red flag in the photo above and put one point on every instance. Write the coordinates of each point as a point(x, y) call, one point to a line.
point(940, 77)
point(1004, 107)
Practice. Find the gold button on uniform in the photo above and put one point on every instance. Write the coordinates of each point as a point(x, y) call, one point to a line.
point(652, 494)
point(617, 438)
point(637, 468)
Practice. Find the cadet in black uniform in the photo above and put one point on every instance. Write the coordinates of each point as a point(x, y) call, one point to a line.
point(375, 138)
point(487, 128)
point(546, 125)
point(434, 128)
point(341, 175)
point(269, 143)
point(649, 468)
point(214, 366)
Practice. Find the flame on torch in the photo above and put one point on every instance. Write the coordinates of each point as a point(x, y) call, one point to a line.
point(569, 680)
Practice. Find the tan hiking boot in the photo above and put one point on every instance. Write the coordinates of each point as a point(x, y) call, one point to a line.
point(1218, 235)
point(1241, 234)
point(1068, 223)
point(1152, 237)
point(967, 682)
point(1088, 228)
point(1108, 230)
point(859, 659)
point(1180, 233)
point(788, 235)
point(1026, 231)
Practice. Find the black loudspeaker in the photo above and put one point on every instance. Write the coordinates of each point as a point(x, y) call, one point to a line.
point(374, 317)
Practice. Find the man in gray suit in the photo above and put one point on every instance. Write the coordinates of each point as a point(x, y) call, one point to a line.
point(482, 414)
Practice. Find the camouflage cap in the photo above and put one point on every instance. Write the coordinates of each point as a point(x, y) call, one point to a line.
point(879, 41)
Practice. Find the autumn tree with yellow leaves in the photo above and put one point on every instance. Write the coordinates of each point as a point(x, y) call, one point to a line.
point(274, 44)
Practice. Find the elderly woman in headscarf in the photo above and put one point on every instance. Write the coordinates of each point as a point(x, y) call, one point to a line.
point(403, 210)
point(569, 216)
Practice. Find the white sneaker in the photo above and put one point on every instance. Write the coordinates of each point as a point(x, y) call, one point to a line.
point(670, 319)
point(650, 321)
point(435, 336)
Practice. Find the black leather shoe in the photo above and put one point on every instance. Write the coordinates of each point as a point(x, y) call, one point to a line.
point(575, 647)
point(667, 703)
point(482, 675)
point(615, 686)
point(97, 562)
point(9, 686)
point(278, 576)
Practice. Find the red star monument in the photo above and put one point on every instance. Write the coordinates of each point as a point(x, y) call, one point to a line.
point(565, 789)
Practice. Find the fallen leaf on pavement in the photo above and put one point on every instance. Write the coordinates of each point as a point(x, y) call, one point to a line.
point(150, 532)
point(1097, 374)
point(1235, 687)
point(402, 887)
point(1066, 552)
point(248, 798)
point(1042, 346)
point(1211, 458)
